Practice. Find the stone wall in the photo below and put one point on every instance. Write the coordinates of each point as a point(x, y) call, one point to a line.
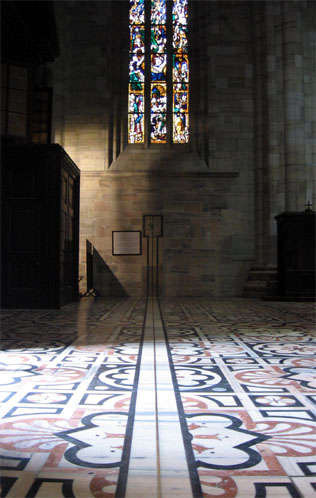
point(219, 196)
point(284, 115)
point(85, 81)
point(205, 243)
point(222, 80)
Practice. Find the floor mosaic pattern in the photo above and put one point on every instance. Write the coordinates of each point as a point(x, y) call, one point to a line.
point(119, 398)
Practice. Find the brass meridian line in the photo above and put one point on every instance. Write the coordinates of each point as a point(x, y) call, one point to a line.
point(156, 403)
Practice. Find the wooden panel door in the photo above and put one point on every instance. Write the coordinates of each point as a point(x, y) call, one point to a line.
point(24, 237)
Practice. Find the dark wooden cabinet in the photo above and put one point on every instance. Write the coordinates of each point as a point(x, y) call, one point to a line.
point(296, 255)
point(40, 227)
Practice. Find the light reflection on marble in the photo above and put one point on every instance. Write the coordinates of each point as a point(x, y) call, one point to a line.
point(232, 415)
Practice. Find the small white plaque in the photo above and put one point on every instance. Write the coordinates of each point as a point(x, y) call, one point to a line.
point(126, 243)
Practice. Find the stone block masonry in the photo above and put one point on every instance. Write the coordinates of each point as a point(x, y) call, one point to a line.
point(195, 228)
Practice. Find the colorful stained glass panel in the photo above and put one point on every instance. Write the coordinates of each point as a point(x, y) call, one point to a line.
point(137, 68)
point(158, 97)
point(180, 101)
point(181, 87)
point(137, 38)
point(158, 39)
point(181, 128)
point(158, 132)
point(158, 11)
point(158, 67)
point(136, 128)
point(180, 11)
point(136, 102)
point(179, 38)
point(180, 67)
point(137, 12)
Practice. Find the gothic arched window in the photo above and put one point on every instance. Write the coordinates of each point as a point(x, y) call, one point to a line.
point(158, 96)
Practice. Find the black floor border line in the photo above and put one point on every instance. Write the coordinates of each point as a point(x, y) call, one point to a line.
point(193, 473)
point(123, 474)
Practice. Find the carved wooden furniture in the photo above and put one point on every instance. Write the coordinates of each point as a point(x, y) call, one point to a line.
point(296, 255)
point(40, 227)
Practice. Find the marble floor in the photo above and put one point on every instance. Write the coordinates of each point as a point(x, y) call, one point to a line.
point(182, 398)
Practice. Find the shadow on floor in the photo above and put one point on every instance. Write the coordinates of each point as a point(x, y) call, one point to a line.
point(104, 280)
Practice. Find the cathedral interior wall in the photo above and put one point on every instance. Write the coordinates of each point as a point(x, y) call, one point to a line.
point(219, 199)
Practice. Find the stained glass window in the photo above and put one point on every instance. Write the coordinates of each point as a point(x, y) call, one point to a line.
point(180, 72)
point(151, 68)
point(158, 56)
point(136, 72)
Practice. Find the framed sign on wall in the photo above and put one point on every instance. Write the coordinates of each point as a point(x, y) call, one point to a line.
point(126, 243)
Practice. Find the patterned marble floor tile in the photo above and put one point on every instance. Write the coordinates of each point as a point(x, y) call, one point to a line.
point(232, 379)
point(248, 487)
point(245, 428)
